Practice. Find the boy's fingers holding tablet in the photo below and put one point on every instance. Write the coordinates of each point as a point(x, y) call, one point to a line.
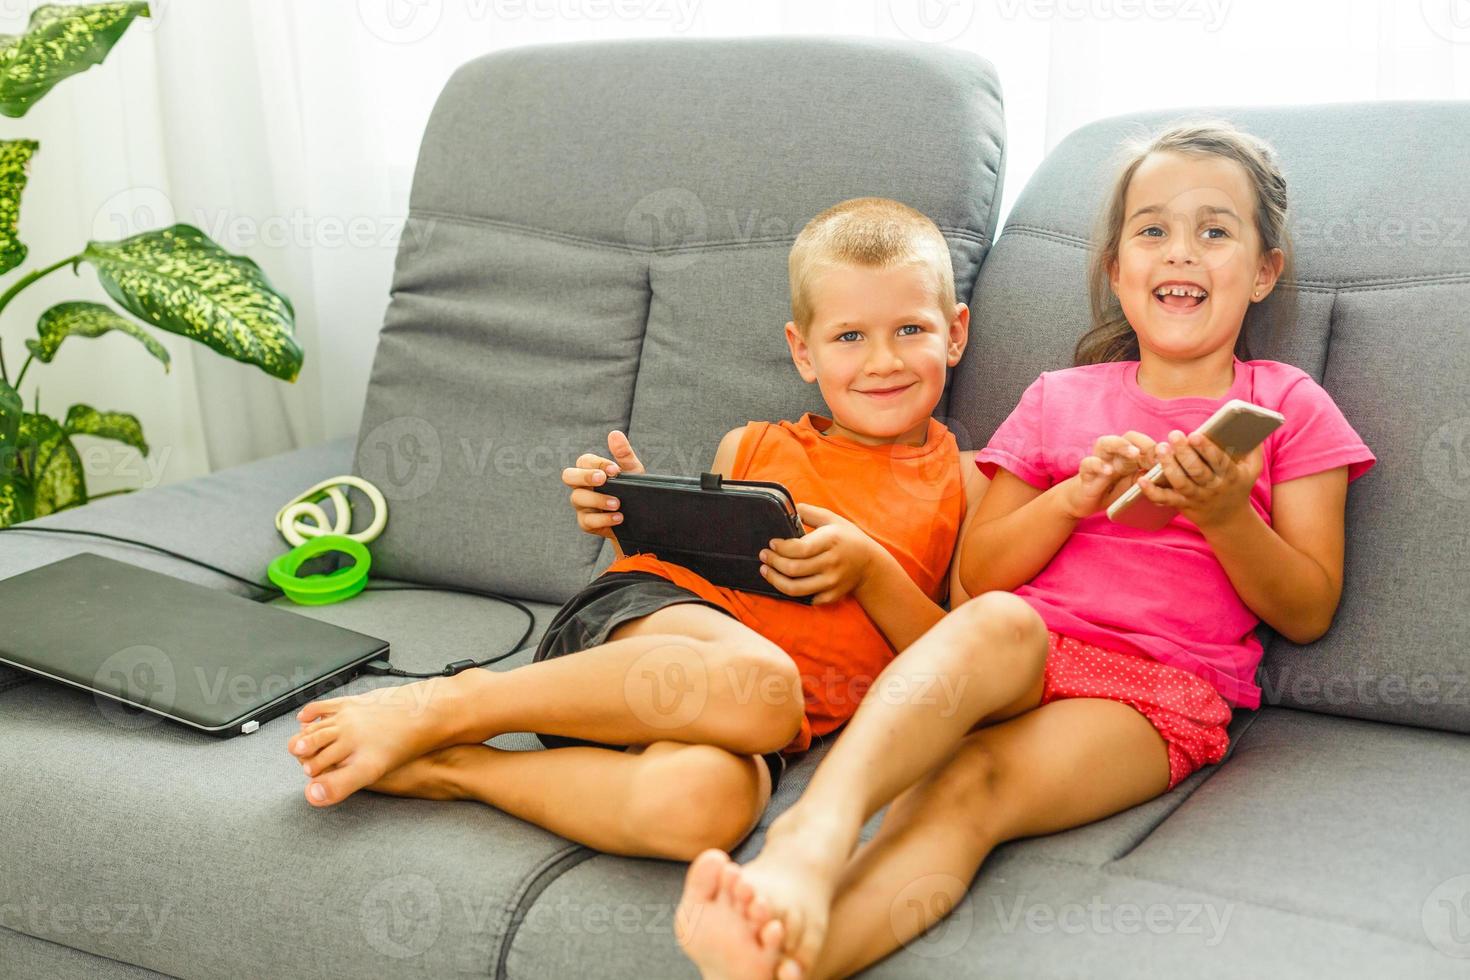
point(624, 459)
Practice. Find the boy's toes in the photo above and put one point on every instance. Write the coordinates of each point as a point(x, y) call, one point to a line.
point(329, 756)
point(317, 709)
point(789, 970)
point(332, 786)
point(703, 879)
point(307, 744)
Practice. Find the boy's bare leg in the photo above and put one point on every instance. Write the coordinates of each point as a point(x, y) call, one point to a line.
point(982, 662)
point(684, 673)
point(1058, 766)
point(665, 800)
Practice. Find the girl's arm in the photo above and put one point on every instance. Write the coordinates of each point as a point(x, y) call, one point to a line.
point(1019, 528)
point(1288, 572)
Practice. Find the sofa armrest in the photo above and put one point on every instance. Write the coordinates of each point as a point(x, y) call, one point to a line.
point(226, 518)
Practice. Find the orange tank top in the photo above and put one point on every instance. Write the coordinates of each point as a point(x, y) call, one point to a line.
point(910, 499)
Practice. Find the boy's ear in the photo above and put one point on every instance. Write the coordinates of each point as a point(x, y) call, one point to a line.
point(800, 355)
point(959, 334)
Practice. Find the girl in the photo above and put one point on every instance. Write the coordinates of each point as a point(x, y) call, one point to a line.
point(1109, 674)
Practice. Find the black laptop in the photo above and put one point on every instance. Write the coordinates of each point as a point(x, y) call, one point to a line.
point(212, 660)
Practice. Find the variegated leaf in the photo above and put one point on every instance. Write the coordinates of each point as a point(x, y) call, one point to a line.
point(54, 466)
point(125, 428)
point(60, 40)
point(80, 319)
point(179, 280)
point(16, 499)
point(15, 159)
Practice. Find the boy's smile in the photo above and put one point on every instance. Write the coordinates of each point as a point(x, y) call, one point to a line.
point(878, 348)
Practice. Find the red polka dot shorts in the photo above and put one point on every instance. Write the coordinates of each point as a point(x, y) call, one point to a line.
point(1187, 711)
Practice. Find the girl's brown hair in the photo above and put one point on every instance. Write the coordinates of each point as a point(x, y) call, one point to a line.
point(1111, 338)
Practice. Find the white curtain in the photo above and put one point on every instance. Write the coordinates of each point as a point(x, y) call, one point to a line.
point(287, 130)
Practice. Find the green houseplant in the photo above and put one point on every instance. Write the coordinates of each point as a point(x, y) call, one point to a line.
point(175, 279)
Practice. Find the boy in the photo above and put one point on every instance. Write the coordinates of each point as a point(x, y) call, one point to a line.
point(666, 702)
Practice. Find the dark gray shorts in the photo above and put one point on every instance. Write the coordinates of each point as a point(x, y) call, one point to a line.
point(589, 617)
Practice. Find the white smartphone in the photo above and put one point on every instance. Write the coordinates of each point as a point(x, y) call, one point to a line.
point(1237, 427)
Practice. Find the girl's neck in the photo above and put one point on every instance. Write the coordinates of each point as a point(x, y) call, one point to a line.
point(1210, 376)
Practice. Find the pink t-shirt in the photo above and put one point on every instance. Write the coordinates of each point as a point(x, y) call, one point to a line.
point(1161, 593)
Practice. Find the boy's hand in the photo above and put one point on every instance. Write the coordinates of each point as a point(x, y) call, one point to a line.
point(827, 564)
point(597, 512)
point(1105, 475)
point(1205, 484)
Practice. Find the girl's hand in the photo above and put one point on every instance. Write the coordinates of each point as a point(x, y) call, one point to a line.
point(597, 512)
point(1105, 475)
point(828, 563)
point(1205, 484)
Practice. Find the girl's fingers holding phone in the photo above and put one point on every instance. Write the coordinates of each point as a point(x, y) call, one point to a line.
point(1191, 462)
point(1215, 458)
point(1162, 496)
point(1182, 483)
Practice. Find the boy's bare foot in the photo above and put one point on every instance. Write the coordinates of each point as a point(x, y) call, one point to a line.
point(348, 743)
point(794, 878)
point(722, 926)
point(432, 776)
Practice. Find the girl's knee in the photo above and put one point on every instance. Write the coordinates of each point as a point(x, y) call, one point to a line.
point(1004, 624)
point(688, 798)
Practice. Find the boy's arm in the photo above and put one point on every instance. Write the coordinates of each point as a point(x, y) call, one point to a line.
point(892, 600)
point(725, 453)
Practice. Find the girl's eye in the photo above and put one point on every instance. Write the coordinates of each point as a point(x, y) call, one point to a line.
point(850, 333)
point(1222, 231)
point(1152, 228)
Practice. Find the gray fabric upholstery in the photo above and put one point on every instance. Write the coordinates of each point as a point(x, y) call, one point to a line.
point(1382, 247)
point(618, 260)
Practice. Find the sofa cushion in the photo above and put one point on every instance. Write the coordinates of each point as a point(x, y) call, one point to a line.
point(597, 239)
point(1382, 275)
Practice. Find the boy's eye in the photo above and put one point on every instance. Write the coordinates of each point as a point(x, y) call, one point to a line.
point(850, 333)
point(913, 326)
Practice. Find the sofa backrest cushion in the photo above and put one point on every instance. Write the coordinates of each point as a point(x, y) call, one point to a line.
point(597, 240)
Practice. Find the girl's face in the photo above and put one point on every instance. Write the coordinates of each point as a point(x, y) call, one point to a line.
point(878, 347)
point(1189, 228)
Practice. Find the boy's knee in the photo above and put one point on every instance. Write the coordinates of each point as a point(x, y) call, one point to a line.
point(762, 686)
point(691, 798)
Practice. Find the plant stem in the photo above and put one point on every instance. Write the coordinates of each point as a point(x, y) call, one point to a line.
point(22, 376)
point(20, 284)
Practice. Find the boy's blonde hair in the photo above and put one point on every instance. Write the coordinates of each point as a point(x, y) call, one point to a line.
point(1110, 337)
point(870, 231)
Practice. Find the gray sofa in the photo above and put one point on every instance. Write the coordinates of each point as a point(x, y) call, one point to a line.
point(597, 239)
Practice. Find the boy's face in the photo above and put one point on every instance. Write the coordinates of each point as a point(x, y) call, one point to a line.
point(878, 348)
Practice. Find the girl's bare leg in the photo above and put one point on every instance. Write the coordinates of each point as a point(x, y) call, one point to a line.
point(665, 800)
point(1058, 766)
point(982, 662)
point(685, 673)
